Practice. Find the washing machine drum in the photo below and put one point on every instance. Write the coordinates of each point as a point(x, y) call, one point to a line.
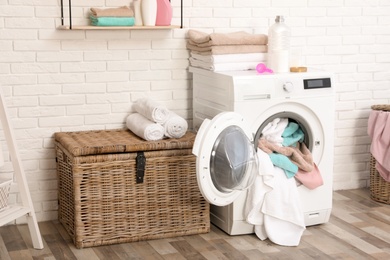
point(226, 158)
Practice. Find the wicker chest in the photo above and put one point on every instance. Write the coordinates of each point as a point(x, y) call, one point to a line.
point(115, 187)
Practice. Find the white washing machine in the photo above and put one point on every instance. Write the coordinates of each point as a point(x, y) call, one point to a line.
point(248, 101)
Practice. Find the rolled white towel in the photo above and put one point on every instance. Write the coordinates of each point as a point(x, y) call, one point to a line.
point(152, 110)
point(144, 128)
point(175, 126)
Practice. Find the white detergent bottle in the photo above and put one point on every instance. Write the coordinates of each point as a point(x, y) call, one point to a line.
point(149, 12)
point(137, 12)
point(278, 46)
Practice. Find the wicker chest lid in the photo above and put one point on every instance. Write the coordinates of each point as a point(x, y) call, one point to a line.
point(83, 143)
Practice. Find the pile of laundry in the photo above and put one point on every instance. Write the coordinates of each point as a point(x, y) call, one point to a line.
point(273, 203)
point(379, 131)
point(226, 51)
point(120, 16)
point(153, 121)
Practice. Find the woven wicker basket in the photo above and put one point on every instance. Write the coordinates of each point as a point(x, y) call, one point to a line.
point(100, 201)
point(379, 188)
point(5, 186)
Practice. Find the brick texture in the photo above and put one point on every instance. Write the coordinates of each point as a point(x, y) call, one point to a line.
point(56, 80)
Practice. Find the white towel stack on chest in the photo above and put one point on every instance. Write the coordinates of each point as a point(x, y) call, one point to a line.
point(152, 121)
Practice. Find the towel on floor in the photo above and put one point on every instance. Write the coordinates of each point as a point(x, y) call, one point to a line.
point(112, 21)
point(226, 49)
point(273, 131)
point(379, 131)
point(152, 110)
point(292, 134)
point(122, 11)
point(250, 65)
point(203, 39)
point(175, 126)
point(144, 128)
point(227, 58)
point(310, 180)
point(299, 155)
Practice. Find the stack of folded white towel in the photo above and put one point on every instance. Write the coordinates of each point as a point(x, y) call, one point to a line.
point(152, 121)
point(229, 51)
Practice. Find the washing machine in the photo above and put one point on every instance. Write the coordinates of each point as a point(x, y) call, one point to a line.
point(230, 109)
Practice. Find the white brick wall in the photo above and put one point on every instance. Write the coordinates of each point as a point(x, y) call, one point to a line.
point(58, 80)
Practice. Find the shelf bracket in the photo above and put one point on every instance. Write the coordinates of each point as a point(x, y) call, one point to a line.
point(70, 13)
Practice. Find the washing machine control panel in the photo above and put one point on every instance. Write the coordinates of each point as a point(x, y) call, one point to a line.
point(288, 86)
point(301, 85)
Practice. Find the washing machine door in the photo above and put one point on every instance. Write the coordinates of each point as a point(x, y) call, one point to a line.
point(226, 162)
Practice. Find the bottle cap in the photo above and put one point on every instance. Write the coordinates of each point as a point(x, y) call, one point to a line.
point(279, 19)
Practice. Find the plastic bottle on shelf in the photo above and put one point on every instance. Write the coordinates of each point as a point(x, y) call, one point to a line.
point(278, 46)
point(164, 13)
point(137, 12)
point(149, 12)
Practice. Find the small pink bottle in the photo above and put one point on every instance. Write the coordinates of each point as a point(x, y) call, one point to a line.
point(164, 13)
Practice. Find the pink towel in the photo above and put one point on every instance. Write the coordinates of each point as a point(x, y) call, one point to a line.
point(379, 131)
point(310, 180)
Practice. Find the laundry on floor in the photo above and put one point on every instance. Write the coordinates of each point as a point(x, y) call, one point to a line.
point(152, 121)
point(120, 16)
point(273, 204)
point(226, 51)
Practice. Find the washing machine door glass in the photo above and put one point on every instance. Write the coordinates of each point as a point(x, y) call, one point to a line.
point(226, 158)
point(231, 158)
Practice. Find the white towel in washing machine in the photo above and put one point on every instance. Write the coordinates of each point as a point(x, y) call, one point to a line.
point(273, 205)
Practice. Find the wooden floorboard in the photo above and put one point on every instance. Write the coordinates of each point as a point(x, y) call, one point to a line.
point(359, 228)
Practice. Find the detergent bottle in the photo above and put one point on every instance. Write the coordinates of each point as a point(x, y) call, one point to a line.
point(278, 46)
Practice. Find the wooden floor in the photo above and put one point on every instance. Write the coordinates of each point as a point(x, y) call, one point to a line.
point(359, 228)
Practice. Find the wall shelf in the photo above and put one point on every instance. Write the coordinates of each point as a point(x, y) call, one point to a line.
point(90, 27)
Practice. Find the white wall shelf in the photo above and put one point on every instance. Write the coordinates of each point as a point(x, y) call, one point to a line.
point(89, 27)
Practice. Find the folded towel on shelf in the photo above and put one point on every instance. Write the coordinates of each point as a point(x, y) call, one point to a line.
point(227, 49)
point(122, 11)
point(175, 126)
point(112, 21)
point(379, 131)
point(152, 110)
point(226, 58)
point(144, 128)
point(250, 65)
point(202, 39)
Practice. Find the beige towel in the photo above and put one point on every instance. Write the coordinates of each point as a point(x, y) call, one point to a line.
point(202, 39)
point(226, 49)
point(122, 11)
point(299, 155)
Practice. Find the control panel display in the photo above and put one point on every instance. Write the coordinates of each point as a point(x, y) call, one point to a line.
point(317, 83)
